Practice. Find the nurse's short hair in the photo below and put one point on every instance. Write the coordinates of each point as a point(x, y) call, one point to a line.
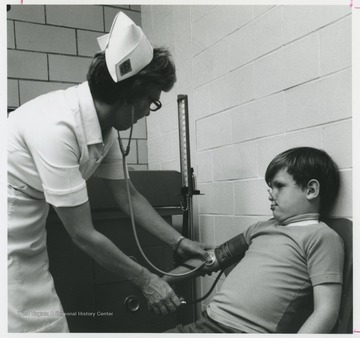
point(160, 72)
point(304, 164)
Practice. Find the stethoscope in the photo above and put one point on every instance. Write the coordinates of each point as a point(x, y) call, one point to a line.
point(125, 152)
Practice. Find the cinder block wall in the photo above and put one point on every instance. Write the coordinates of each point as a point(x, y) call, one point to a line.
point(260, 80)
point(50, 47)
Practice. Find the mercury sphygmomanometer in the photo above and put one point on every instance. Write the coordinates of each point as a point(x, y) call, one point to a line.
point(224, 255)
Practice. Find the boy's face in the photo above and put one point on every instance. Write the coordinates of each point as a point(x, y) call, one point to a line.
point(287, 198)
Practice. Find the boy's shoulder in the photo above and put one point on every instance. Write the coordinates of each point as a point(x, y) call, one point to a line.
point(316, 228)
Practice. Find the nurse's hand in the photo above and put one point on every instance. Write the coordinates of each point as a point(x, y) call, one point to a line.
point(190, 249)
point(160, 296)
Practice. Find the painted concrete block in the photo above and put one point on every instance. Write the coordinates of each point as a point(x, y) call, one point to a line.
point(265, 116)
point(268, 148)
point(226, 19)
point(182, 58)
point(344, 203)
point(32, 89)
point(110, 13)
point(337, 141)
point(160, 149)
point(29, 13)
point(10, 34)
point(45, 38)
point(168, 117)
point(261, 9)
point(163, 26)
point(87, 43)
point(218, 198)
point(335, 46)
point(200, 35)
point(290, 66)
point(12, 93)
point(123, 6)
point(218, 54)
point(301, 61)
point(202, 102)
point(214, 131)
point(175, 143)
point(27, 65)
point(147, 21)
point(154, 166)
point(142, 151)
point(204, 169)
point(255, 39)
point(319, 102)
point(269, 74)
point(251, 197)
point(198, 11)
point(210, 64)
point(235, 162)
point(232, 89)
point(207, 229)
point(301, 20)
point(68, 68)
point(202, 64)
point(153, 126)
point(77, 16)
point(134, 7)
point(171, 165)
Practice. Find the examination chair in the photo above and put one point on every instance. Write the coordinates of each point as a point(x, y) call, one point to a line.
point(345, 321)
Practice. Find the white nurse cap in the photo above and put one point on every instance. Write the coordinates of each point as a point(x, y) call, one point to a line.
point(127, 50)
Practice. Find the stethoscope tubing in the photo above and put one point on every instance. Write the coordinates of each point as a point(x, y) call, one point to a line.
point(124, 153)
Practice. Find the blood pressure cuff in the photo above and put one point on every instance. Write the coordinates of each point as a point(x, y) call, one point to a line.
point(231, 251)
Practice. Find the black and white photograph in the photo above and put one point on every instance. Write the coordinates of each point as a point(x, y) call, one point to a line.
point(179, 167)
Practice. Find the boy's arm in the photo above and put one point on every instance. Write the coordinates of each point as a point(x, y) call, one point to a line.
point(223, 256)
point(327, 299)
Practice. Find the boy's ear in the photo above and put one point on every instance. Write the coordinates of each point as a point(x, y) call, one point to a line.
point(313, 189)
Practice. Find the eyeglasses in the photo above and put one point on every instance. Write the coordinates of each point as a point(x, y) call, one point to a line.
point(155, 104)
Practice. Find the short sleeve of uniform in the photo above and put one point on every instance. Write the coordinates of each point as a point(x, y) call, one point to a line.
point(56, 153)
point(111, 167)
point(325, 257)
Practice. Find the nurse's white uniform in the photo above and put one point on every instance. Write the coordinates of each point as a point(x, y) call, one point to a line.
point(54, 145)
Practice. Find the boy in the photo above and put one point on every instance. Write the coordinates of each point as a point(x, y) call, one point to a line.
point(290, 278)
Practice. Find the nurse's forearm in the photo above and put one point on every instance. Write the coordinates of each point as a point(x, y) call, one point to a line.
point(78, 224)
point(145, 215)
point(105, 253)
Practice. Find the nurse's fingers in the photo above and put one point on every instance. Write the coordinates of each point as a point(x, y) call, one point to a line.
point(175, 300)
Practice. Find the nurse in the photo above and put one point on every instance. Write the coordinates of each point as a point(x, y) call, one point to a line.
point(59, 140)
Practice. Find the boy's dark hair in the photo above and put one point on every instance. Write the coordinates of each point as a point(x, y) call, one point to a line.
point(304, 164)
point(160, 72)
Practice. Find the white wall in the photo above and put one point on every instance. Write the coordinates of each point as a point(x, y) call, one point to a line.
point(260, 80)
